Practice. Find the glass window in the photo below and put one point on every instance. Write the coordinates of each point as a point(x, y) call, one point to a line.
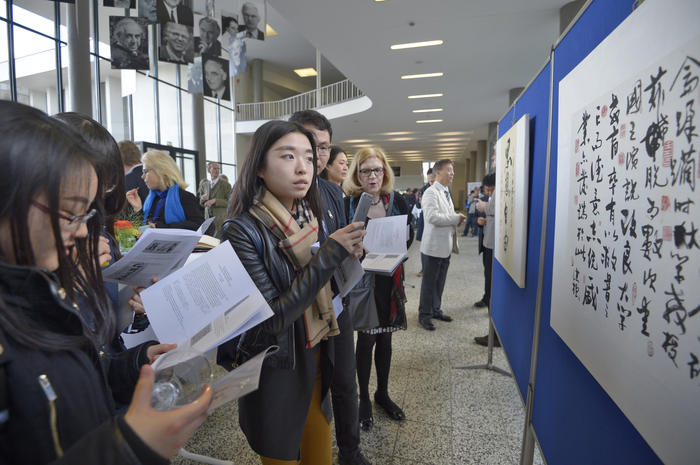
point(210, 138)
point(187, 125)
point(35, 68)
point(36, 15)
point(227, 152)
point(144, 118)
point(4, 65)
point(168, 115)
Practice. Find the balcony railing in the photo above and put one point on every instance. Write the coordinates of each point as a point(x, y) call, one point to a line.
point(339, 92)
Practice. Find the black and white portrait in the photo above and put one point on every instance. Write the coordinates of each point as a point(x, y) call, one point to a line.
point(128, 42)
point(252, 19)
point(195, 80)
point(147, 11)
point(176, 44)
point(204, 7)
point(207, 39)
point(175, 11)
point(216, 81)
point(120, 3)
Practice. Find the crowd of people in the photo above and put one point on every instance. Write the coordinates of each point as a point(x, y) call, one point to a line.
point(70, 392)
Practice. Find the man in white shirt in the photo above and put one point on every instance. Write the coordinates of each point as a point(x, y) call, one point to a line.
point(439, 239)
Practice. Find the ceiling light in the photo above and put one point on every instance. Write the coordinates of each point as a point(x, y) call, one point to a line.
point(400, 139)
point(419, 76)
point(427, 43)
point(421, 121)
point(425, 96)
point(305, 72)
point(396, 133)
point(355, 141)
point(454, 133)
point(427, 110)
point(269, 32)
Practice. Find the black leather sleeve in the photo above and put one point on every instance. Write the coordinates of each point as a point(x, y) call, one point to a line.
point(287, 302)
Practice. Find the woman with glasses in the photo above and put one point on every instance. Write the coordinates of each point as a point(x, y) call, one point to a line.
point(370, 172)
point(337, 167)
point(168, 204)
point(56, 401)
point(275, 206)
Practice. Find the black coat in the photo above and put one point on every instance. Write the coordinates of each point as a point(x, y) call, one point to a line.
point(273, 417)
point(334, 216)
point(134, 179)
point(194, 214)
point(87, 430)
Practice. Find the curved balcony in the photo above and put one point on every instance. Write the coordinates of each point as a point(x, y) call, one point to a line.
point(339, 99)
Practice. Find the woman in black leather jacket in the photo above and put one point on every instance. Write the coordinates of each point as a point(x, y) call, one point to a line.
point(274, 206)
point(56, 396)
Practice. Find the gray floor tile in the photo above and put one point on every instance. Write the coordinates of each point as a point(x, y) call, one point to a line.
point(424, 443)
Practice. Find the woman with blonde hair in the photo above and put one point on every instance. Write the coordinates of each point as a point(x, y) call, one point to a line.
point(370, 172)
point(168, 204)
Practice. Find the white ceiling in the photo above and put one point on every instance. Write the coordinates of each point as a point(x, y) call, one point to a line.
point(490, 47)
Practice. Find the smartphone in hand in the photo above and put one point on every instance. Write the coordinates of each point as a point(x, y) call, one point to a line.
point(362, 208)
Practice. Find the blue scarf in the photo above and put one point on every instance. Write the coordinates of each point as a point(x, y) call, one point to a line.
point(174, 212)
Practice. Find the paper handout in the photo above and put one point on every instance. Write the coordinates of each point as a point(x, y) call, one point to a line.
point(157, 253)
point(239, 382)
point(386, 241)
point(205, 303)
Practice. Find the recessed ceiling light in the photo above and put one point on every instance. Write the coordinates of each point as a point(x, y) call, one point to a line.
point(427, 110)
point(419, 76)
point(427, 43)
point(395, 133)
point(453, 133)
point(305, 72)
point(425, 96)
point(421, 121)
point(451, 139)
point(356, 141)
point(269, 32)
point(400, 139)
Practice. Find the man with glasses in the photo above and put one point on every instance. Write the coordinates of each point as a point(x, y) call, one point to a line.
point(439, 240)
point(343, 386)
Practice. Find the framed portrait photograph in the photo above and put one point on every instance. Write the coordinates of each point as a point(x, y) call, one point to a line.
point(176, 44)
point(128, 41)
point(216, 78)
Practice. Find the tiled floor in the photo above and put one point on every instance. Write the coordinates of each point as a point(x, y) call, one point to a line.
point(454, 417)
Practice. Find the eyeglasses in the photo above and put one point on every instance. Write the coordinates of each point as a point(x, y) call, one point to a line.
point(323, 148)
point(376, 171)
point(73, 222)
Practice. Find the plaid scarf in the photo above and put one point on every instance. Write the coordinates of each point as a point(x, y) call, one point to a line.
point(296, 237)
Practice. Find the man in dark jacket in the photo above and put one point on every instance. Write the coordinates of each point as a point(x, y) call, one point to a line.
point(343, 386)
point(133, 169)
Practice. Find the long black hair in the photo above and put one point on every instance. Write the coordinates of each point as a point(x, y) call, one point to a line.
point(110, 169)
point(39, 155)
point(249, 183)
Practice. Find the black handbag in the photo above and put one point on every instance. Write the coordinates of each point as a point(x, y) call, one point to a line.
point(361, 305)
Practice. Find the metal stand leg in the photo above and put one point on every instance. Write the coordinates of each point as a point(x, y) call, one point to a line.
point(203, 458)
point(489, 364)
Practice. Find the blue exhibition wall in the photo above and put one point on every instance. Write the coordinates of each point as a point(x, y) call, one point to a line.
point(574, 419)
point(514, 308)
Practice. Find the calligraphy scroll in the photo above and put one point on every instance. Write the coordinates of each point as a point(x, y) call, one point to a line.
point(626, 276)
point(511, 194)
